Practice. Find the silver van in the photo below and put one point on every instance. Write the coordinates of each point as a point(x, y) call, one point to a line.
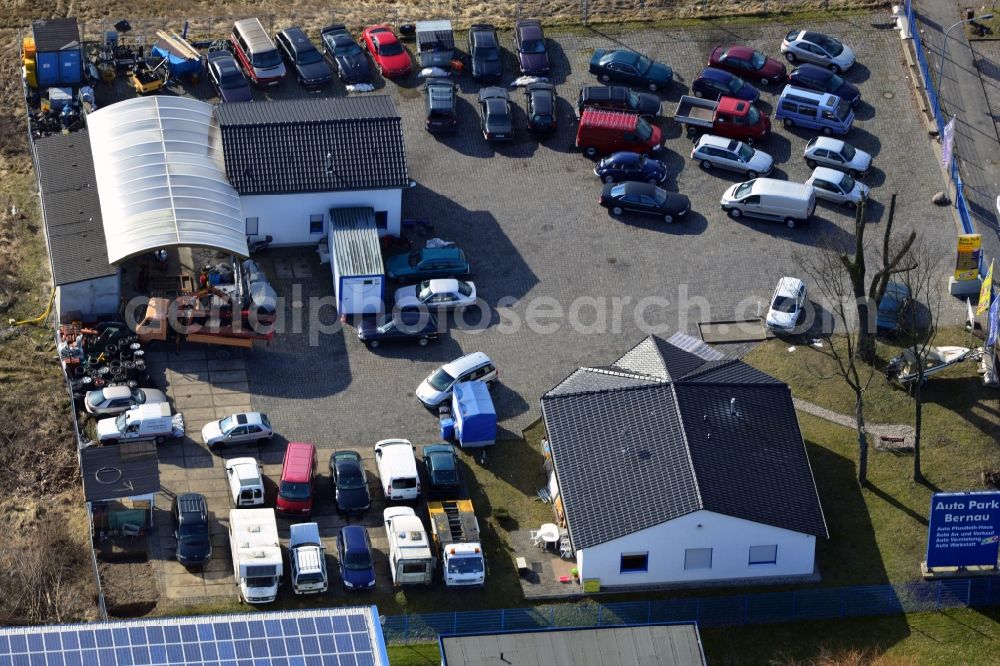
point(770, 199)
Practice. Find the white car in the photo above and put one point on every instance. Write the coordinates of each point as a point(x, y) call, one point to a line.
point(437, 387)
point(838, 187)
point(117, 399)
point(787, 307)
point(815, 47)
point(837, 154)
point(716, 151)
point(236, 428)
point(448, 293)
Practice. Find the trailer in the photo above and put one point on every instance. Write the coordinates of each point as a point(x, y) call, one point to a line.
point(474, 414)
point(728, 117)
point(410, 558)
point(256, 551)
point(435, 43)
point(456, 535)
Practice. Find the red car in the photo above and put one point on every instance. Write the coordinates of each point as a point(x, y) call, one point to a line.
point(748, 63)
point(391, 59)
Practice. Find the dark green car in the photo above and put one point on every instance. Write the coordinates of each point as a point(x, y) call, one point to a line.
point(428, 264)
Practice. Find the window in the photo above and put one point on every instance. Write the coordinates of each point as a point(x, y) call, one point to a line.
point(763, 555)
point(634, 562)
point(316, 224)
point(697, 558)
point(381, 219)
point(252, 223)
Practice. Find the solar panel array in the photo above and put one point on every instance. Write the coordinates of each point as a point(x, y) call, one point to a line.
point(329, 637)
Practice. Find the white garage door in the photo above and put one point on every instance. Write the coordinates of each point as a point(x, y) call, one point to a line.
point(361, 295)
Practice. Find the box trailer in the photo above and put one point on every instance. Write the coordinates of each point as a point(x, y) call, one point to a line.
point(435, 43)
point(257, 563)
point(474, 414)
point(410, 558)
point(456, 534)
point(356, 261)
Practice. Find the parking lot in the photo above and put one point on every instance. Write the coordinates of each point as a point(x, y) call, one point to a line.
point(566, 284)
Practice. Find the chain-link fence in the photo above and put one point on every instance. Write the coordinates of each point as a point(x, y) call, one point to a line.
point(722, 611)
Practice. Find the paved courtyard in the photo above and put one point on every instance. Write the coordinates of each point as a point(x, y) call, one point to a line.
point(566, 284)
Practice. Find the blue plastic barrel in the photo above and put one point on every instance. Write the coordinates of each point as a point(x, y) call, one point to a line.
point(47, 69)
point(70, 67)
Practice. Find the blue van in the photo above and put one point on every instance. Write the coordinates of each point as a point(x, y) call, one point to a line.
point(814, 110)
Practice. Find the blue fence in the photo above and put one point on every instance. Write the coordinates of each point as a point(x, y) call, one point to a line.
point(932, 96)
point(726, 611)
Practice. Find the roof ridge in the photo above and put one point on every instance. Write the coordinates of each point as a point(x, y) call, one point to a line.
point(687, 446)
point(616, 389)
point(608, 370)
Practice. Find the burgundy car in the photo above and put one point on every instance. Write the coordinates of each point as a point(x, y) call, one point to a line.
point(748, 63)
point(531, 53)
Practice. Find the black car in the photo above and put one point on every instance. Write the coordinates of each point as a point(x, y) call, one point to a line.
point(191, 529)
point(350, 482)
point(494, 108)
point(404, 326)
point(300, 53)
point(443, 475)
point(227, 77)
point(644, 198)
point(820, 79)
point(625, 166)
point(439, 104)
point(540, 99)
point(617, 98)
point(531, 53)
point(351, 62)
point(484, 48)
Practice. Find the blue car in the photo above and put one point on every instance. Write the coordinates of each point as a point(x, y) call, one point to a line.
point(354, 556)
point(820, 79)
point(624, 166)
point(428, 264)
point(892, 309)
point(714, 83)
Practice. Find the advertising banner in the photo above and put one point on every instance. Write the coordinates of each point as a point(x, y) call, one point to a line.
point(948, 143)
point(964, 529)
point(984, 292)
point(967, 261)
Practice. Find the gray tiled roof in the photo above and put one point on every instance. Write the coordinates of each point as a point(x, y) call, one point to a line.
point(71, 208)
point(633, 452)
point(55, 34)
point(313, 145)
point(620, 459)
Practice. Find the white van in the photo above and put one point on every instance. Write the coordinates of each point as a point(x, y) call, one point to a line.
point(143, 423)
point(397, 470)
point(770, 199)
point(246, 482)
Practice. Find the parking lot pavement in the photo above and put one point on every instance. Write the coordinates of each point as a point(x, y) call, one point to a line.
point(526, 214)
point(527, 217)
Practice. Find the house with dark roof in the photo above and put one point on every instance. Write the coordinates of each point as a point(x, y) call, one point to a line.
point(292, 161)
point(677, 465)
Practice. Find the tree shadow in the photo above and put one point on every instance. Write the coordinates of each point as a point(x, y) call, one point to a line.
point(851, 555)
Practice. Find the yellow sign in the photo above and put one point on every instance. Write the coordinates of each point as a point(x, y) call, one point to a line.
point(591, 585)
point(984, 292)
point(967, 262)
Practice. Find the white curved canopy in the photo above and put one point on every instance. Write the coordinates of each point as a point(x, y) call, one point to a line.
point(161, 178)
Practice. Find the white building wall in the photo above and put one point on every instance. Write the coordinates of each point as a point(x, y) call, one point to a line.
point(286, 217)
point(88, 299)
point(729, 538)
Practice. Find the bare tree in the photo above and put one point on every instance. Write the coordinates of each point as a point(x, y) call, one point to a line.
point(918, 322)
point(825, 268)
point(867, 296)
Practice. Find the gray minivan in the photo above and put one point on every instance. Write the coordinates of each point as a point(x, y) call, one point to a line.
point(770, 199)
point(814, 110)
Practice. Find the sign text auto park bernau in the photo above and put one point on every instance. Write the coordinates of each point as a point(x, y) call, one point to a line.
point(964, 529)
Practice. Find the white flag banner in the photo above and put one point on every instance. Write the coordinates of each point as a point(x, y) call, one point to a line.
point(948, 143)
